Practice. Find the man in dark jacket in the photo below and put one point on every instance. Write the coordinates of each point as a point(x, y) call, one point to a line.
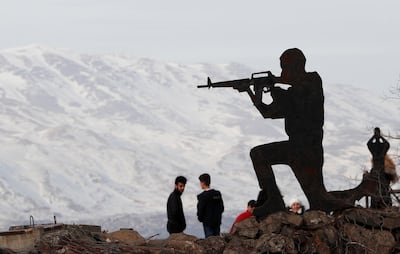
point(176, 219)
point(210, 207)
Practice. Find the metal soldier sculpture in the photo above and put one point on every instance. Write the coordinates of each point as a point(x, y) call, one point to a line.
point(302, 108)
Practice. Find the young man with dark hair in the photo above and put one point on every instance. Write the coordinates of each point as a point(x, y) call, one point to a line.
point(210, 207)
point(176, 218)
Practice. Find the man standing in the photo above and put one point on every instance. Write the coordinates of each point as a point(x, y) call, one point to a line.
point(210, 207)
point(176, 219)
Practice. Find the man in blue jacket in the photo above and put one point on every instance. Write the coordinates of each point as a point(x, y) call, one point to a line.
point(176, 218)
point(210, 207)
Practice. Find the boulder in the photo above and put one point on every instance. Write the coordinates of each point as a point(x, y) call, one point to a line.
point(212, 244)
point(354, 230)
point(247, 228)
point(126, 235)
point(370, 241)
point(236, 244)
point(184, 247)
point(275, 243)
point(388, 218)
point(276, 222)
point(316, 219)
point(182, 237)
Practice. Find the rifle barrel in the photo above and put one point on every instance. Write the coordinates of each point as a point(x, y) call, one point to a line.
point(230, 83)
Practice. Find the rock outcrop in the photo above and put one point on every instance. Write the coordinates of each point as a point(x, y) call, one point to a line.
point(356, 230)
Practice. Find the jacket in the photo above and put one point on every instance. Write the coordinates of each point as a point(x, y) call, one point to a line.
point(176, 218)
point(210, 207)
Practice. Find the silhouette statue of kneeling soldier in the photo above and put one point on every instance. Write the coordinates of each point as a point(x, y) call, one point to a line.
point(302, 108)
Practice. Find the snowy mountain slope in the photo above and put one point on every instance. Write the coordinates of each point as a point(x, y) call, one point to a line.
point(100, 139)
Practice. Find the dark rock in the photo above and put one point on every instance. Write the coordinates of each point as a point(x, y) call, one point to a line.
point(184, 247)
point(212, 244)
point(247, 228)
point(275, 243)
point(182, 237)
point(351, 231)
point(6, 251)
point(125, 235)
point(316, 219)
point(239, 245)
point(371, 241)
point(328, 235)
point(374, 218)
point(285, 218)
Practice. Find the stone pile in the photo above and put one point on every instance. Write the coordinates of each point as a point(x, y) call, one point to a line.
point(356, 230)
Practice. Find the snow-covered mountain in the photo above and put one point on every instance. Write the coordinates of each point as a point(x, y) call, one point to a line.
point(100, 138)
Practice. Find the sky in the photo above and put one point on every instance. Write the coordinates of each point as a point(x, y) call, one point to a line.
point(348, 42)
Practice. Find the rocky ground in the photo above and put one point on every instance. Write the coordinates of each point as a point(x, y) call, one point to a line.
point(356, 230)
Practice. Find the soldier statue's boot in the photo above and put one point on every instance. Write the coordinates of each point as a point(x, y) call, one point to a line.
point(328, 203)
point(311, 181)
point(262, 197)
point(273, 204)
point(369, 184)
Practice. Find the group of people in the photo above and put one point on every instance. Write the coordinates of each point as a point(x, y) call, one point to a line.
point(295, 207)
point(210, 207)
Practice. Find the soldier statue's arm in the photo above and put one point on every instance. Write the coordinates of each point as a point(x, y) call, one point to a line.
point(274, 110)
point(259, 83)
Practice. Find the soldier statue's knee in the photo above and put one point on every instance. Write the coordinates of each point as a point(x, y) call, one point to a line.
point(257, 154)
point(253, 153)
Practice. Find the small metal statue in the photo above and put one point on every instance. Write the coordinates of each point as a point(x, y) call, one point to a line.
point(376, 183)
point(378, 146)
